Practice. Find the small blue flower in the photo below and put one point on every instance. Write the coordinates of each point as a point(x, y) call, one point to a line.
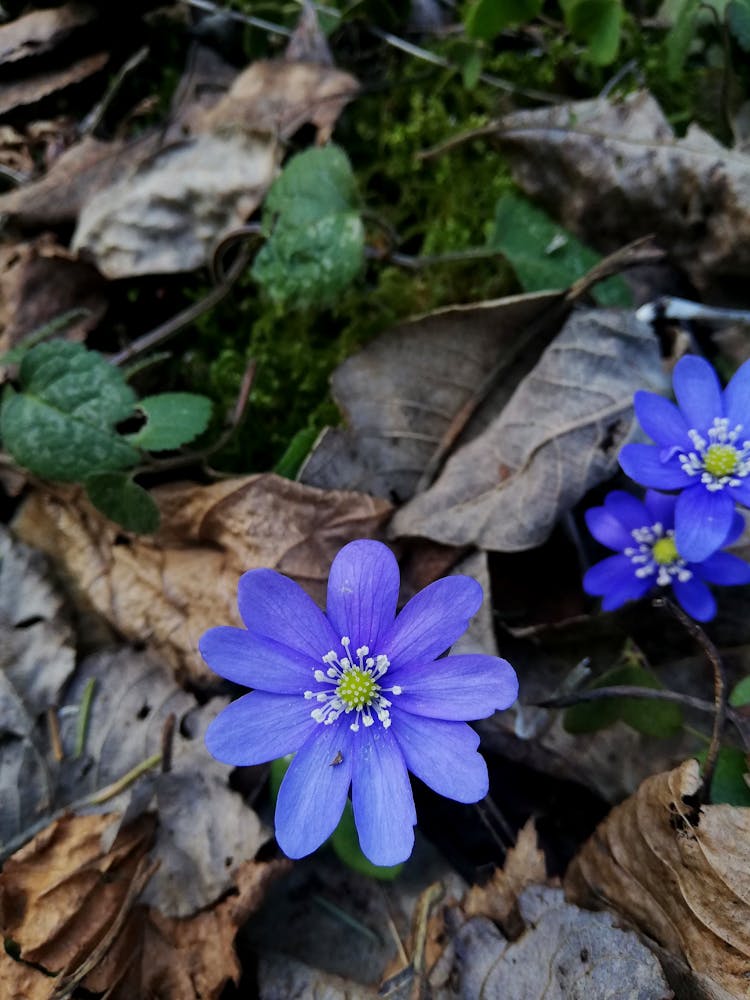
point(643, 533)
point(358, 695)
point(702, 448)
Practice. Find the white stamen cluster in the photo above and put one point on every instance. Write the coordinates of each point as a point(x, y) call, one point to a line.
point(642, 556)
point(719, 434)
point(353, 687)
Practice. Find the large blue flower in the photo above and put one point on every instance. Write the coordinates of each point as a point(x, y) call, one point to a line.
point(643, 533)
point(358, 695)
point(702, 448)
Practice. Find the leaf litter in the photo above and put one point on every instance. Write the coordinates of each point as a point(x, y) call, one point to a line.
point(473, 430)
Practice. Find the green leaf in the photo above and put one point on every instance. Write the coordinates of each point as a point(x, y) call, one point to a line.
point(56, 325)
point(172, 419)
point(728, 783)
point(345, 843)
point(740, 693)
point(597, 23)
point(738, 19)
point(680, 37)
point(487, 18)
point(471, 69)
point(61, 424)
point(544, 255)
point(652, 718)
point(123, 501)
point(297, 451)
point(316, 244)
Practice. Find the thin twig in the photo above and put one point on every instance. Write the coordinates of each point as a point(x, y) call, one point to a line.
point(720, 690)
point(167, 743)
point(626, 691)
point(182, 319)
point(94, 118)
point(53, 724)
point(82, 723)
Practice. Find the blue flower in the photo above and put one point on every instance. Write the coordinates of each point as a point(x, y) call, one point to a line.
point(643, 533)
point(358, 695)
point(702, 448)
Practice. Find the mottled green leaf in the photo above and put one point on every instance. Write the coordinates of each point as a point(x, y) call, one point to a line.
point(652, 718)
point(544, 255)
point(740, 693)
point(172, 419)
point(61, 423)
point(123, 501)
point(316, 237)
point(728, 783)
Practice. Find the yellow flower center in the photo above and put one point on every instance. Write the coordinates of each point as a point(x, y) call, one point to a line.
point(721, 460)
point(665, 551)
point(357, 688)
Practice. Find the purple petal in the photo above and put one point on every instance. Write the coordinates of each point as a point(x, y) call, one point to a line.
point(259, 727)
point(313, 793)
point(661, 508)
point(661, 420)
point(698, 392)
point(643, 463)
point(723, 568)
point(741, 493)
point(628, 510)
point(463, 687)
point(383, 804)
point(443, 755)
point(627, 590)
point(703, 521)
point(738, 526)
point(737, 399)
point(363, 592)
point(275, 606)
point(432, 620)
point(606, 529)
point(255, 661)
point(610, 573)
point(696, 599)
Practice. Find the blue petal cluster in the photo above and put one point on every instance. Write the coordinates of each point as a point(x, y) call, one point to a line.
point(702, 449)
point(643, 534)
point(358, 695)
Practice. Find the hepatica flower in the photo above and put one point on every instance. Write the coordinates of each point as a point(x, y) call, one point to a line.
point(360, 697)
point(702, 448)
point(643, 535)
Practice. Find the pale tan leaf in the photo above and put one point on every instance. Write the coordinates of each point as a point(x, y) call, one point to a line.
point(682, 879)
point(24, 93)
point(625, 174)
point(166, 590)
point(39, 31)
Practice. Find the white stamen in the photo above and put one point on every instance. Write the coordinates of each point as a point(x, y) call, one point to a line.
point(642, 557)
point(694, 462)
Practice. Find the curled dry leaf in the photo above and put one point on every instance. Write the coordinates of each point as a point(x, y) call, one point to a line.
point(166, 590)
point(683, 880)
point(24, 93)
point(625, 174)
point(564, 954)
point(557, 437)
point(68, 904)
point(408, 394)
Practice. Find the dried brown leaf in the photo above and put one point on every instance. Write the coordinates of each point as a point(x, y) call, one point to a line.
point(683, 881)
point(38, 282)
point(37, 32)
point(67, 903)
point(279, 97)
point(166, 590)
point(24, 93)
point(498, 898)
point(557, 437)
point(404, 393)
point(625, 174)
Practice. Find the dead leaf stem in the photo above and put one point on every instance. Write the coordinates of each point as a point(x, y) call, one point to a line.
point(84, 712)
